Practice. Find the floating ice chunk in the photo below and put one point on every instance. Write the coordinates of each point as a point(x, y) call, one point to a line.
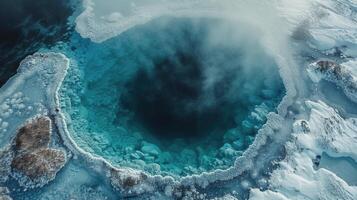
point(228, 151)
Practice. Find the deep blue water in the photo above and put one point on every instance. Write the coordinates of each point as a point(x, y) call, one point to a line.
point(28, 25)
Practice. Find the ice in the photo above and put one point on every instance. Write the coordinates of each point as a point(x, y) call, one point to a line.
point(343, 167)
point(97, 22)
point(20, 102)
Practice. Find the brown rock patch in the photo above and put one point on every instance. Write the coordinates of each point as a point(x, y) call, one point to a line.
point(33, 157)
point(43, 163)
point(34, 135)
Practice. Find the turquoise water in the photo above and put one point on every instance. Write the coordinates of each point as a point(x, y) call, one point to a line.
point(172, 97)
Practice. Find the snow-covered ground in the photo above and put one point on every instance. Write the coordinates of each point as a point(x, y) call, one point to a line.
point(298, 177)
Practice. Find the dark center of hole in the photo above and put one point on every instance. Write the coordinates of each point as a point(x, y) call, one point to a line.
point(168, 100)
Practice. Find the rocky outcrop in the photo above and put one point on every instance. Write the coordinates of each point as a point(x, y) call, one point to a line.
point(43, 163)
point(336, 73)
point(34, 163)
point(128, 180)
point(330, 69)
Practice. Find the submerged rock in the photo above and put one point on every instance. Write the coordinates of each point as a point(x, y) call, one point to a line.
point(150, 149)
point(34, 163)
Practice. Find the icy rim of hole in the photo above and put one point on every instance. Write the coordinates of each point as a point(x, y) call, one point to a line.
point(242, 163)
point(80, 68)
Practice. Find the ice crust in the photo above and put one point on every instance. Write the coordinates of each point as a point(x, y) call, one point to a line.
point(30, 91)
point(99, 25)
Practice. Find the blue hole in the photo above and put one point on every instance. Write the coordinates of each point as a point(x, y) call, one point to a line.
point(176, 96)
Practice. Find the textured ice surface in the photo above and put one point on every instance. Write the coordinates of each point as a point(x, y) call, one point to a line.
point(19, 101)
point(298, 177)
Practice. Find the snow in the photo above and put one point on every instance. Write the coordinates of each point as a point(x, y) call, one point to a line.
point(324, 131)
point(351, 67)
point(123, 15)
point(102, 20)
point(343, 167)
